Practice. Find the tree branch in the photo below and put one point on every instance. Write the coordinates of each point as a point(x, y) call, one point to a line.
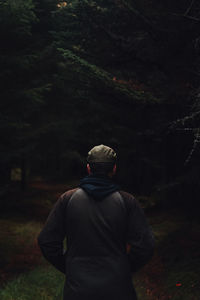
point(187, 17)
point(189, 8)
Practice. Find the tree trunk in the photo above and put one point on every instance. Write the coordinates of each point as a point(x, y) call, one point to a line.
point(24, 173)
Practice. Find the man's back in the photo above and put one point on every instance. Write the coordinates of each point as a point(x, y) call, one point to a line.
point(96, 227)
point(97, 266)
point(96, 263)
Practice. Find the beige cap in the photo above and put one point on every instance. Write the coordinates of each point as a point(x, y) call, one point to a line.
point(101, 153)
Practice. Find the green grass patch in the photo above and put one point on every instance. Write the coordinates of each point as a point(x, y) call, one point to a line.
point(141, 289)
point(174, 271)
point(17, 237)
point(19, 251)
point(43, 283)
point(180, 254)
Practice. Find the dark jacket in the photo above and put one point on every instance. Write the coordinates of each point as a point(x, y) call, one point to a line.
point(96, 263)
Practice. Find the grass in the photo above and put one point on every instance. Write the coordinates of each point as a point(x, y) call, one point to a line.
point(19, 251)
point(181, 255)
point(173, 273)
point(43, 283)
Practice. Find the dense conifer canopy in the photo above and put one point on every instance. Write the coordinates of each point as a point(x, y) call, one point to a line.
point(75, 74)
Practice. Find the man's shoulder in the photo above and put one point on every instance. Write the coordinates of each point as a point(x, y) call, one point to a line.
point(127, 196)
point(67, 195)
point(130, 201)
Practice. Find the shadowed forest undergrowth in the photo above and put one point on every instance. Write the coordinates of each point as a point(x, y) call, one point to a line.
point(173, 273)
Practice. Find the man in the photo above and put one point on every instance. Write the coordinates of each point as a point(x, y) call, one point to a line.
point(99, 221)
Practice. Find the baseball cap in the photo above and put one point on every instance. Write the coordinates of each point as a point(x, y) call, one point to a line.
point(101, 153)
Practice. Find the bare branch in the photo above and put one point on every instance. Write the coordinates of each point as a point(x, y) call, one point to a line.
point(149, 26)
point(189, 8)
point(187, 17)
point(194, 148)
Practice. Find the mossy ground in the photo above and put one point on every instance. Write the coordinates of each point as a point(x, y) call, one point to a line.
point(173, 272)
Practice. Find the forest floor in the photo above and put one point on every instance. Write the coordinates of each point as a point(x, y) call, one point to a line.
point(173, 273)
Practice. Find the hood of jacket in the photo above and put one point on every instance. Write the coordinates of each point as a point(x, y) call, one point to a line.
point(98, 186)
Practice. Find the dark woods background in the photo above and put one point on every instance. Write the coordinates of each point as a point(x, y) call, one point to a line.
point(80, 73)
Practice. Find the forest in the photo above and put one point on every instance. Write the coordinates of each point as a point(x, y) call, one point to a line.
point(79, 73)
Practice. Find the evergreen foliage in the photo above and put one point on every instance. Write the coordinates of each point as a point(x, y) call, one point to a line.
point(79, 73)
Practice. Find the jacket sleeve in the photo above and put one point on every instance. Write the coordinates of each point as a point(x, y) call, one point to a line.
point(139, 236)
point(50, 239)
